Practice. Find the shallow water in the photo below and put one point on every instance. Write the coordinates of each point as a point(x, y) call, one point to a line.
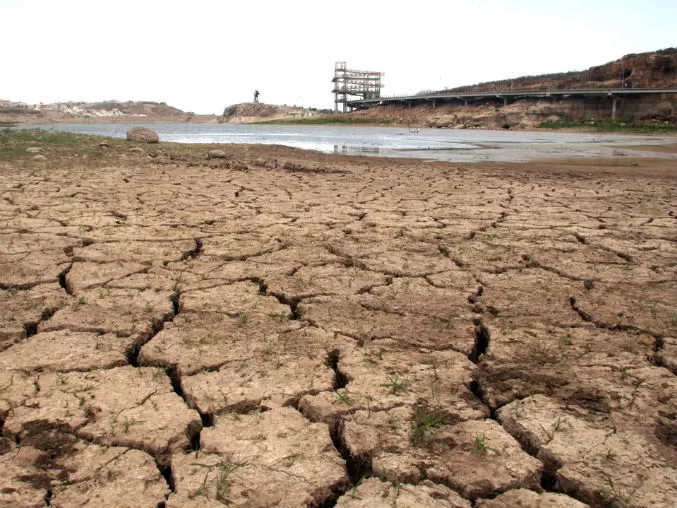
point(431, 144)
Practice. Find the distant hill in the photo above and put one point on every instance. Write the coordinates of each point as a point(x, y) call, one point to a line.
point(110, 111)
point(156, 109)
point(654, 69)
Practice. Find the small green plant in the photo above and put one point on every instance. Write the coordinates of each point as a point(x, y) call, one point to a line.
point(544, 353)
point(78, 303)
point(615, 494)
point(425, 420)
point(479, 445)
point(451, 320)
point(291, 458)
point(222, 484)
point(111, 475)
point(517, 410)
point(127, 424)
point(353, 491)
point(342, 398)
point(224, 396)
point(279, 316)
point(242, 320)
point(83, 388)
point(565, 340)
point(396, 385)
point(560, 426)
point(10, 406)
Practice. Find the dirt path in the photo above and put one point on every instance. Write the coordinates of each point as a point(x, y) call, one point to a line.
point(286, 328)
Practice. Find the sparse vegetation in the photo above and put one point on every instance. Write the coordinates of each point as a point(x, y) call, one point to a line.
point(425, 421)
point(396, 385)
point(480, 446)
point(342, 397)
point(610, 126)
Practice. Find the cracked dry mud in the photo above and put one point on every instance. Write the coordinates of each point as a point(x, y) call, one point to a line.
point(285, 328)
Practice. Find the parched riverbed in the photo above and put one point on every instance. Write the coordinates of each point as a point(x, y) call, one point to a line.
point(288, 328)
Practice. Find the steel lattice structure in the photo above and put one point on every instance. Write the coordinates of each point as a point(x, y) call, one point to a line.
point(364, 84)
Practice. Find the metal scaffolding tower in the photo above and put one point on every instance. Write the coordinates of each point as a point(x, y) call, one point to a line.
point(364, 84)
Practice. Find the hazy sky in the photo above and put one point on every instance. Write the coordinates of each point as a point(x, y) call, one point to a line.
point(203, 55)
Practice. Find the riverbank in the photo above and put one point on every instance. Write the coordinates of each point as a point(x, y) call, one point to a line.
point(277, 326)
point(385, 141)
point(656, 116)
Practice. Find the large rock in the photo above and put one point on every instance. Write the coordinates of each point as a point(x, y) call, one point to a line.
point(142, 135)
point(217, 154)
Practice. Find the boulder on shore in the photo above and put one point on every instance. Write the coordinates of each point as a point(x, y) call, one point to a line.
point(217, 154)
point(142, 135)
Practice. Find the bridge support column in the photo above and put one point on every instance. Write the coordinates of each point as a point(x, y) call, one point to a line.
point(409, 104)
point(505, 101)
point(613, 108)
point(465, 102)
point(434, 105)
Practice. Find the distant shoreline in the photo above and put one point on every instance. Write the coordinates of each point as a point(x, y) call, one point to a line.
point(601, 127)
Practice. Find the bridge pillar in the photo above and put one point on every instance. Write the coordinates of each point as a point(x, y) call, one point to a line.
point(505, 101)
point(409, 104)
point(434, 105)
point(613, 107)
point(465, 102)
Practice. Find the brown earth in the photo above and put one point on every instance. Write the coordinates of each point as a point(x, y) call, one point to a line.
point(287, 328)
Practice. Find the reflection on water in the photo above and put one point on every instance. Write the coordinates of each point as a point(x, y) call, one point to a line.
point(429, 144)
point(357, 150)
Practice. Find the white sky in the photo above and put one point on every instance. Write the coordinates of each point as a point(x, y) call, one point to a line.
point(203, 55)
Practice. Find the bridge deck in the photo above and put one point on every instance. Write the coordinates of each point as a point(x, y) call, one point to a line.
point(511, 94)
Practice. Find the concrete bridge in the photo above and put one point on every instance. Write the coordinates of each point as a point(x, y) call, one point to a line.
point(508, 96)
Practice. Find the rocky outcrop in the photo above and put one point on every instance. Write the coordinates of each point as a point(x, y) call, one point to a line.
point(258, 112)
point(142, 135)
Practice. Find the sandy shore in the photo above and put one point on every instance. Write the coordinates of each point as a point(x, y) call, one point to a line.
point(289, 328)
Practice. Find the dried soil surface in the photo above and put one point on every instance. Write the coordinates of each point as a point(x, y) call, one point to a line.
point(286, 328)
